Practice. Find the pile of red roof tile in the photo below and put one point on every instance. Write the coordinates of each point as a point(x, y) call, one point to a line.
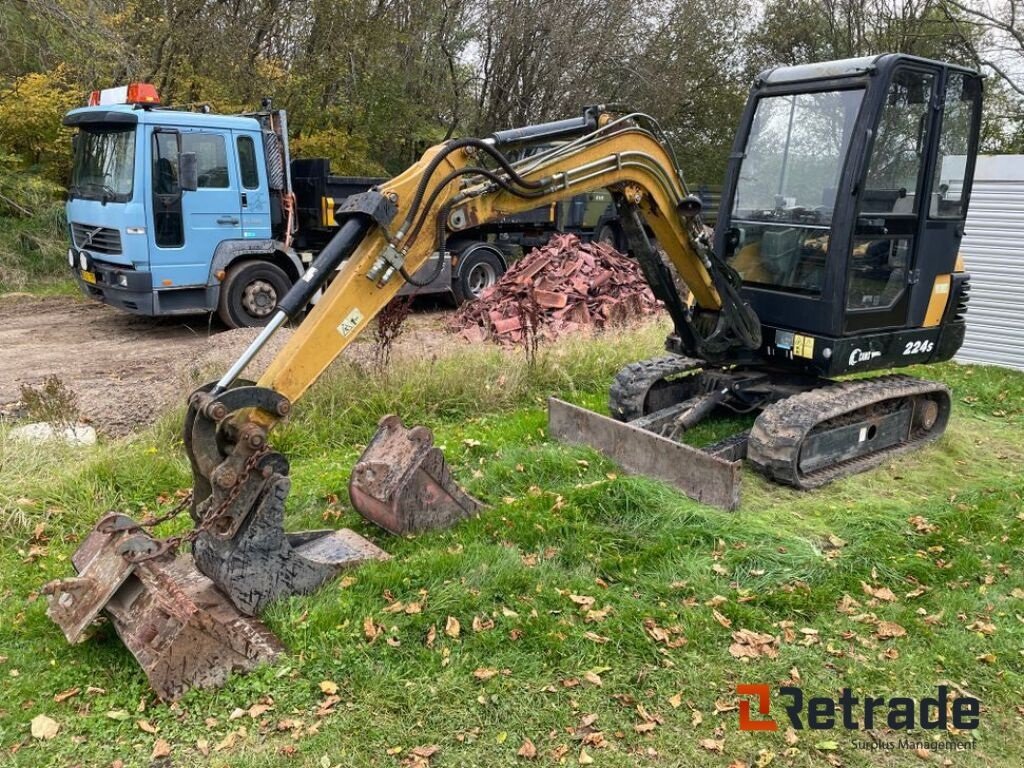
point(560, 288)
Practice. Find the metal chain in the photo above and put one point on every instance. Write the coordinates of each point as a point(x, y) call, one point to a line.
point(172, 543)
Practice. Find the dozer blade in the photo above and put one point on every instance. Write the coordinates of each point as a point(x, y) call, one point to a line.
point(699, 475)
point(181, 629)
point(402, 482)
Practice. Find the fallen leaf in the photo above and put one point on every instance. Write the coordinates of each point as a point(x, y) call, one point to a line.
point(482, 624)
point(483, 673)
point(145, 725)
point(431, 636)
point(44, 728)
point(886, 630)
point(203, 746)
point(879, 593)
point(696, 718)
point(329, 687)
point(452, 628)
point(161, 748)
point(645, 727)
point(593, 678)
point(585, 759)
point(713, 745)
point(584, 601)
point(721, 619)
point(371, 629)
point(527, 750)
point(260, 709)
point(751, 645)
point(118, 714)
point(676, 701)
point(65, 695)
point(426, 752)
point(596, 638)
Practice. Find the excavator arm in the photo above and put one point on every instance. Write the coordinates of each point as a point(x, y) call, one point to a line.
point(386, 235)
point(396, 228)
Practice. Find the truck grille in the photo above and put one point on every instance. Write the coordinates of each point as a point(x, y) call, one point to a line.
point(98, 239)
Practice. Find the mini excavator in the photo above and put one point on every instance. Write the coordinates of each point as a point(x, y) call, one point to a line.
point(835, 252)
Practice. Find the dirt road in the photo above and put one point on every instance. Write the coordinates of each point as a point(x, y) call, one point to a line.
point(125, 369)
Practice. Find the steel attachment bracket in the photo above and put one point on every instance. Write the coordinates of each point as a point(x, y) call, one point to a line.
point(240, 487)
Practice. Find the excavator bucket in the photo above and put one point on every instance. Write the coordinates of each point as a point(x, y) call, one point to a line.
point(700, 475)
point(402, 482)
point(181, 629)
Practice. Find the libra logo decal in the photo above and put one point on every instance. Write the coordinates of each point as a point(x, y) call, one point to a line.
point(855, 713)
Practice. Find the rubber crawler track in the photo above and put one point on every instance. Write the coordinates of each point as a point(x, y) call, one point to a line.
point(628, 395)
point(779, 432)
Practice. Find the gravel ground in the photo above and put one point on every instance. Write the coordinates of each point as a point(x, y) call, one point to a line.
point(126, 370)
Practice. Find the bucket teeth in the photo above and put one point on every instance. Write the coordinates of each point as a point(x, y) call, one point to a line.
point(261, 562)
point(402, 482)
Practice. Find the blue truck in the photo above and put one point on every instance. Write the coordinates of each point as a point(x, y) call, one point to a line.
point(173, 212)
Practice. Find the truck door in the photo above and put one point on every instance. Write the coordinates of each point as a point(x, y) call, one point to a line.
point(188, 226)
point(253, 194)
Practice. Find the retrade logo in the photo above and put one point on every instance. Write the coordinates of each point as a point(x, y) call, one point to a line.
point(760, 690)
point(854, 713)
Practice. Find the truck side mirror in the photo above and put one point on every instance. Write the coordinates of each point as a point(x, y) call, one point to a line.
point(188, 172)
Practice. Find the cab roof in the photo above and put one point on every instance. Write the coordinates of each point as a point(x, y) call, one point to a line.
point(129, 114)
point(827, 70)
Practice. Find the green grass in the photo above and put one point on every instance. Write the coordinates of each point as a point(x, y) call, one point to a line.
point(32, 252)
point(561, 521)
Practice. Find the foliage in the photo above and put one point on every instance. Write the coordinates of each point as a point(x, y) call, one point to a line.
point(52, 402)
point(348, 153)
point(558, 593)
point(33, 232)
point(31, 109)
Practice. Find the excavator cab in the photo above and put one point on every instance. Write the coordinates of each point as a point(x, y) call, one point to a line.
point(844, 206)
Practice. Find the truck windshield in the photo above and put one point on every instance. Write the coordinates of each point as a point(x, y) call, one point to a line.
point(104, 164)
point(787, 185)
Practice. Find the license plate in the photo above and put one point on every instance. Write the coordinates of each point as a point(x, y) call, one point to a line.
point(89, 277)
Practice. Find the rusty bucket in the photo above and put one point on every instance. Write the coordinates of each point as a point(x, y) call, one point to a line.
point(402, 482)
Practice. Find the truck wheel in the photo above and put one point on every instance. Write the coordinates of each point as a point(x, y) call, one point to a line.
point(479, 269)
point(609, 235)
point(250, 292)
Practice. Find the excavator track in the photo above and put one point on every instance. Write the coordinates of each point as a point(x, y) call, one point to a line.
point(842, 429)
point(639, 388)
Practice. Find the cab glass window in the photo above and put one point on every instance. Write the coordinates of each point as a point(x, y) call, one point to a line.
point(211, 158)
point(247, 162)
point(959, 113)
point(878, 272)
point(897, 157)
point(787, 186)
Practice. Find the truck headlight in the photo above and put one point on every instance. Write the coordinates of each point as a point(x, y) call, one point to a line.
point(83, 262)
point(71, 258)
point(122, 280)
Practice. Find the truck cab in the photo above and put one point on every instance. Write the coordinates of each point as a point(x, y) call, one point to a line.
point(175, 212)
